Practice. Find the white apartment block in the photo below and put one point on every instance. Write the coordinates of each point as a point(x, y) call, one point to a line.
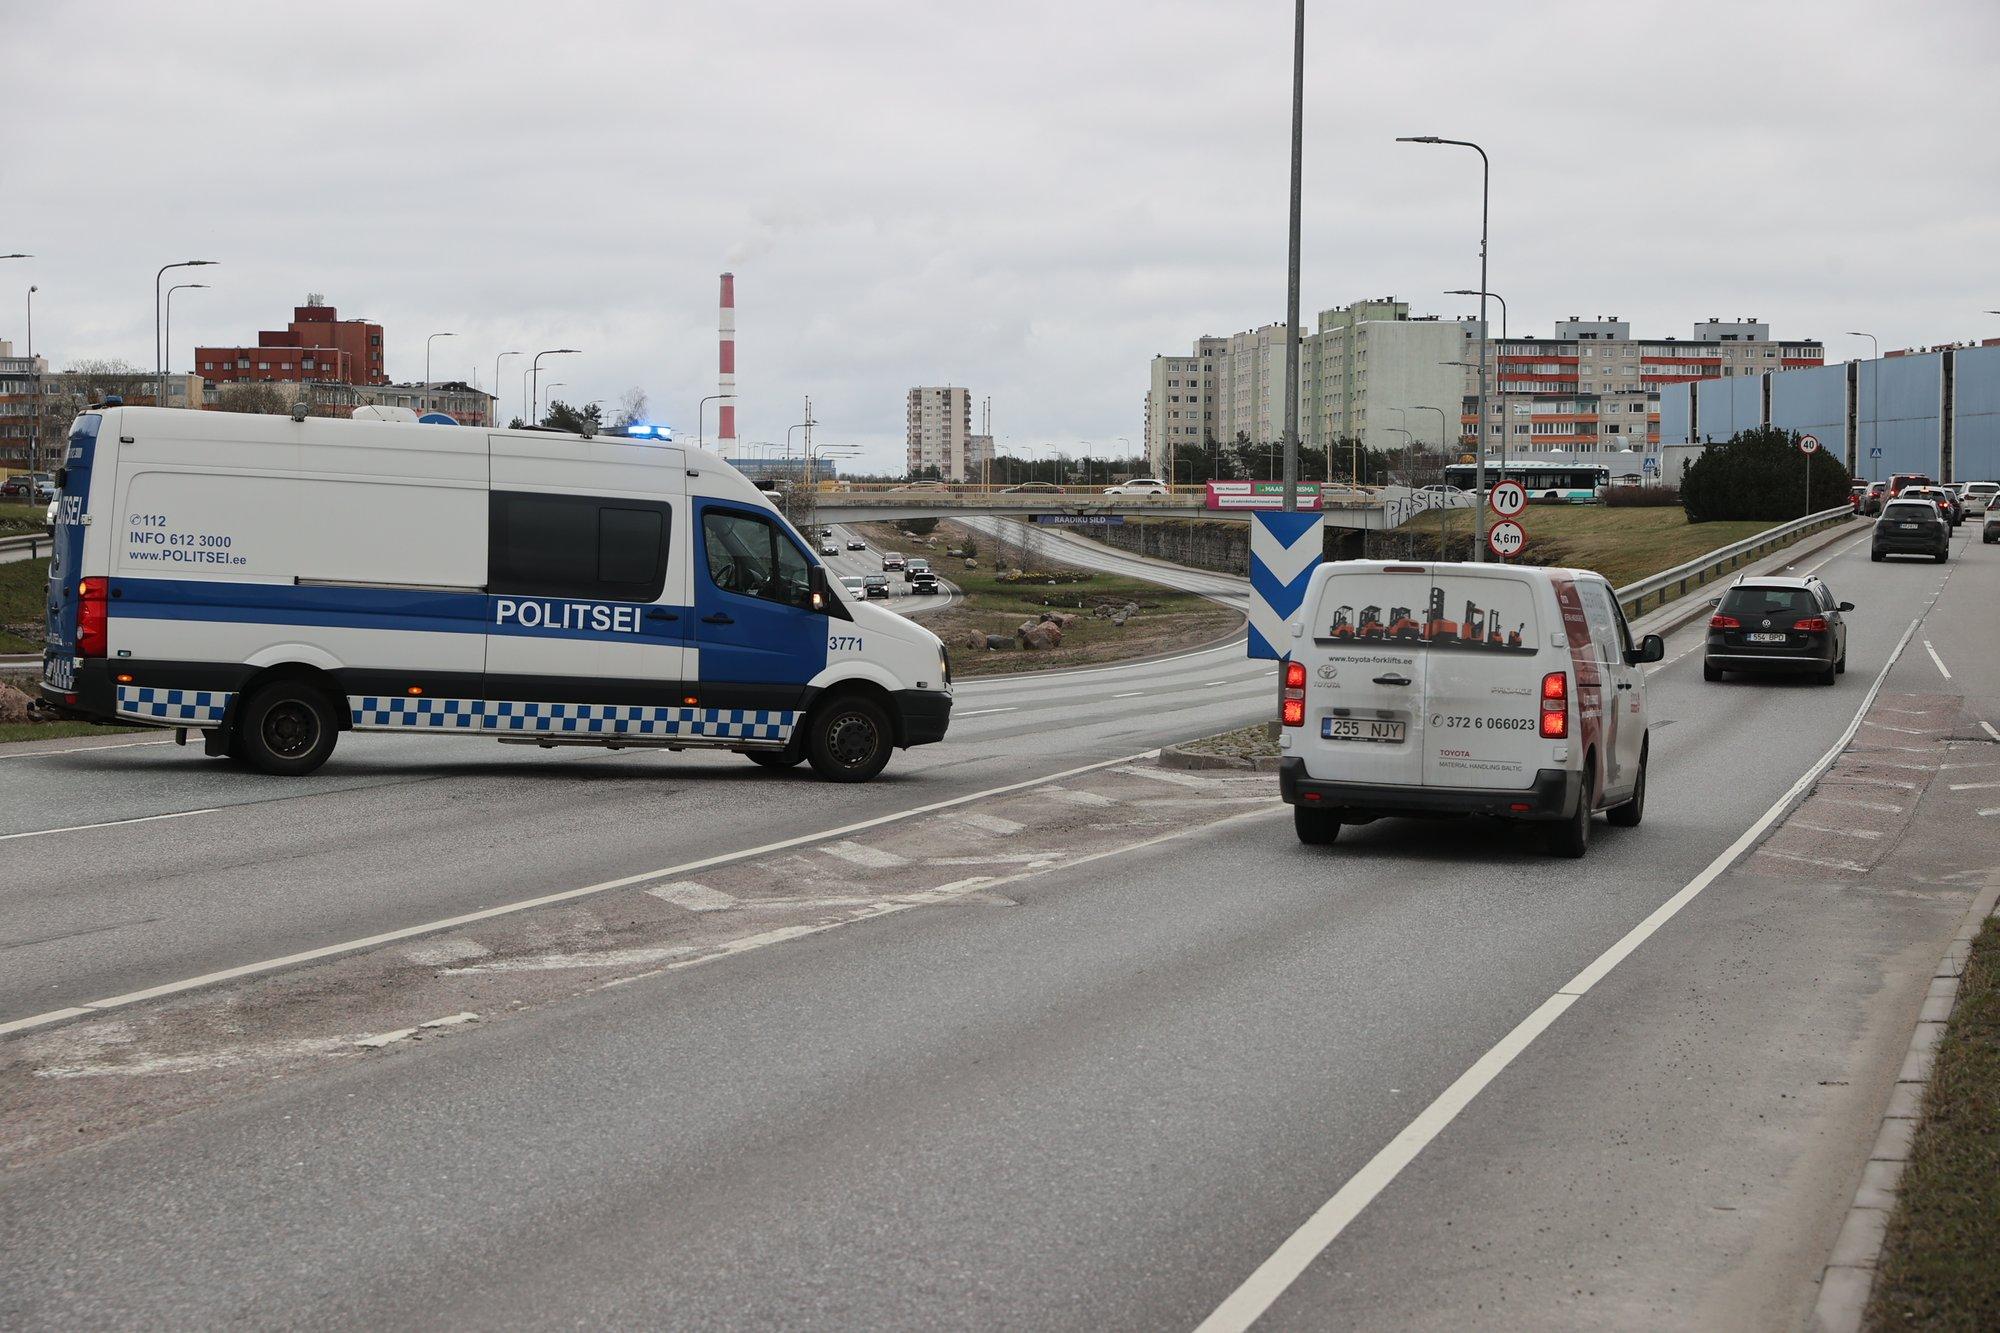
point(1370, 370)
point(1180, 401)
point(939, 432)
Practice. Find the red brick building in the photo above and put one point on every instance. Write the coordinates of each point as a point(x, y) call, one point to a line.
point(316, 345)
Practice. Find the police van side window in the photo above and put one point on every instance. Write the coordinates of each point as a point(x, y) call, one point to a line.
point(577, 546)
point(748, 555)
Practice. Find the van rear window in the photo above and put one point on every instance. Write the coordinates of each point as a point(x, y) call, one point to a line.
point(1455, 611)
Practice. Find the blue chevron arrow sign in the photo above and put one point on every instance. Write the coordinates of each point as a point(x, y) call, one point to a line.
point(1284, 551)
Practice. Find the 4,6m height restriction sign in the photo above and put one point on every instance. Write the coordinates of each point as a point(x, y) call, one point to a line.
point(1506, 538)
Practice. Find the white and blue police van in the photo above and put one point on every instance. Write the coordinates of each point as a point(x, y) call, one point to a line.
point(274, 581)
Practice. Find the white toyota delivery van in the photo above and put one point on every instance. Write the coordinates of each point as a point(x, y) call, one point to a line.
point(1433, 690)
point(273, 581)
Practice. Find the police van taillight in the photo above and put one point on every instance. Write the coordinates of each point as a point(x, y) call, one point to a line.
point(1292, 705)
point(1555, 706)
point(93, 612)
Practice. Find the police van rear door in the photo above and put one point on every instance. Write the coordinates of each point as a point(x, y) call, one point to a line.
point(59, 646)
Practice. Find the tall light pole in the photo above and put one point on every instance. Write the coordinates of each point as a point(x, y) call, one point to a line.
point(548, 390)
point(700, 437)
point(1874, 398)
point(427, 365)
point(496, 382)
point(1467, 291)
point(1485, 196)
point(159, 365)
point(167, 337)
point(535, 367)
point(35, 385)
point(1292, 263)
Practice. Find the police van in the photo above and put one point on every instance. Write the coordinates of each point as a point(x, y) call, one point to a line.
point(1434, 690)
point(274, 581)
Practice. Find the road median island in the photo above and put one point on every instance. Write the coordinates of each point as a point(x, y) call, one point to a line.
point(90, 1074)
point(1014, 589)
point(1940, 1261)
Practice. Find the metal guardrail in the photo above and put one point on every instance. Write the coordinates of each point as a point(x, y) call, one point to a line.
point(1677, 582)
point(34, 543)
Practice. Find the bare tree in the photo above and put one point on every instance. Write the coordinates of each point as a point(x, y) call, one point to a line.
point(631, 407)
point(251, 396)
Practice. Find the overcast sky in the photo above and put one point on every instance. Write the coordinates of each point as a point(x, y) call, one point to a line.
point(1030, 199)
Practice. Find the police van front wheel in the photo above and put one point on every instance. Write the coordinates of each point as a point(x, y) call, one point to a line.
point(288, 729)
point(849, 740)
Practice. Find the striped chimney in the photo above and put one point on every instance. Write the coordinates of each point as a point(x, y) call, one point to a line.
point(726, 383)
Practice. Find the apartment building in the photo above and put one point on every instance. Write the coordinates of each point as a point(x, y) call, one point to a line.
point(317, 345)
point(20, 379)
point(1369, 367)
point(1593, 387)
point(1180, 401)
point(939, 432)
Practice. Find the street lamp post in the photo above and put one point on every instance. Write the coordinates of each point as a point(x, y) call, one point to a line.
point(535, 368)
point(1874, 398)
point(427, 365)
point(1485, 196)
point(167, 337)
point(546, 393)
point(159, 365)
point(1467, 291)
point(35, 387)
point(496, 382)
point(700, 438)
point(1292, 264)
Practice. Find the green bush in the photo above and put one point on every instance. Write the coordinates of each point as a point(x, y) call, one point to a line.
point(1642, 497)
point(1761, 474)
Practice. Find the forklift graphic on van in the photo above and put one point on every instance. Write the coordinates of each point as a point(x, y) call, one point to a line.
point(1479, 629)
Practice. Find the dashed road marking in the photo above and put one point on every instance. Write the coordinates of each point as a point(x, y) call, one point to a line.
point(570, 962)
point(81, 749)
point(1943, 670)
point(1989, 729)
point(976, 712)
point(695, 897)
point(1865, 805)
point(874, 858)
point(1129, 694)
point(1974, 786)
point(446, 951)
point(990, 823)
point(1089, 798)
point(1843, 832)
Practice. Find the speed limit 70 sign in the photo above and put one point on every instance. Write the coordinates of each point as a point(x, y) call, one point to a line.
point(1508, 498)
point(1506, 538)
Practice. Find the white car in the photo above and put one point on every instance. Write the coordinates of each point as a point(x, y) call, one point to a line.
point(1139, 486)
point(1457, 689)
point(1978, 496)
point(1989, 527)
point(829, 548)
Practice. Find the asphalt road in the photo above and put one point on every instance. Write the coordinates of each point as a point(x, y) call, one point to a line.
point(1104, 1104)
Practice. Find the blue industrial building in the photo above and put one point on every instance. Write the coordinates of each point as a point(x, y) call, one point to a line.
point(1935, 411)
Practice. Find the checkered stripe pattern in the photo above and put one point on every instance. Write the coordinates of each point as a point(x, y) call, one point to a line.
point(197, 708)
point(742, 724)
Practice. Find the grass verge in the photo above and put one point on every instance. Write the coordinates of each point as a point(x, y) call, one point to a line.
point(56, 731)
point(1940, 1266)
point(1623, 544)
point(1259, 740)
point(1166, 620)
point(18, 520)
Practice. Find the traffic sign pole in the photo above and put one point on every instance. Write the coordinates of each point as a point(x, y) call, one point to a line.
point(1809, 445)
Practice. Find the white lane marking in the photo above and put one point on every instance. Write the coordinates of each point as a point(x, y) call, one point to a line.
point(1089, 798)
point(874, 858)
point(1974, 786)
point(1989, 729)
point(1877, 782)
point(381, 1039)
point(1988, 814)
point(993, 858)
point(1129, 694)
point(451, 1020)
point(544, 900)
point(1943, 670)
point(1865, 805)
point(1258, 1292)
point(1843, 832)
point(978, 711)
point(81, 749)
point(446, 951)
point(990, 823)
point(569, 962)
point(109, 823)
point(695, 897)
point(1831, 863)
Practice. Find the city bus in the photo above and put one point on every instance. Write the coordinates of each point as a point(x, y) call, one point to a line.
point(1572, 483)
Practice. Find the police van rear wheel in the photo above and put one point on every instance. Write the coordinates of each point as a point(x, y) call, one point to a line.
point(288, 730)
point(849, 740)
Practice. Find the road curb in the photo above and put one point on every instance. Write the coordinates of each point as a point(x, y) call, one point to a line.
point(1173, 756)
point(1849, 1277)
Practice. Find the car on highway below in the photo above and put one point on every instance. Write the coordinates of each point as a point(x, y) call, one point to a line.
point(1770, 624)
point(829, 548)
point(913, 565)
point(1526, 704)
point(1139, 486)
point(924, 583)
point(892, 560)
point(1989, 526)
point(874, 585)
point(1911, 527)
point(1978, 496)
point(857, 545)
point(826, 532)
point(1033, 488)
point(852, 583)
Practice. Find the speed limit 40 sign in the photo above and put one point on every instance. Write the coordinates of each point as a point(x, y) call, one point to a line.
point(1809, 443)
point(1508, 498)
point(1506, 538)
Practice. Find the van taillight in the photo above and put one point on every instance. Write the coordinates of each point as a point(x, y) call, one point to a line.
point(1811, 625)
point(1555, 706)
point(1292, 699)
point(92, 612)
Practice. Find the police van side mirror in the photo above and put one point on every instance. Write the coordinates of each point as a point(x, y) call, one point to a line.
point(1651, 649)
point(823, 599)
